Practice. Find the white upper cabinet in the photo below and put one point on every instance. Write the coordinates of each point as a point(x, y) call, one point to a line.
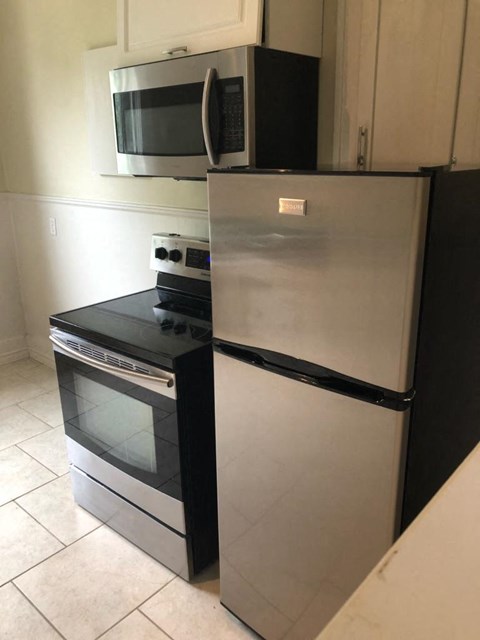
point(156, 29)
point(149, 29)
point(399, 76)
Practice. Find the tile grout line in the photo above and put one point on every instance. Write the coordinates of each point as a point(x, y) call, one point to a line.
point(153, 622)
point(37, 460)
point(65, 546)
point(49, 622)
point(42, 525)
point(137, 608)
point(34, 397)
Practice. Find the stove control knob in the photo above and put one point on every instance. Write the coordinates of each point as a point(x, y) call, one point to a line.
point(161, 253)
point(166, 324)
point(175, 255)
point(180, 328)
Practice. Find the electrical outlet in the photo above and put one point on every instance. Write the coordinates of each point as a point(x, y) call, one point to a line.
point(53, 226)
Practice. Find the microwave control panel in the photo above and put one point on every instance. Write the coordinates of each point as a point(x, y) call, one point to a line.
point(232, 115)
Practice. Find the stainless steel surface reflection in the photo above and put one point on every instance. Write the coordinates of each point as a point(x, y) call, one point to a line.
point(307, 496)
point(338, 287)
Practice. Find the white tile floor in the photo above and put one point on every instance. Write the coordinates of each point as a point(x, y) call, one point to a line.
point(63, 574)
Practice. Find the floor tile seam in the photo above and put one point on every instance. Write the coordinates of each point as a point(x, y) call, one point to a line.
point(40, 523)
point(64, 548)
point(49, 622)
point(153, 621)
point(21, 495)
point(24, 377)
point(40, 463)
point(104, 633)
point(29, 438)
point(65, 544)
point(137, 608)
point(35, 416)
point(32, 397)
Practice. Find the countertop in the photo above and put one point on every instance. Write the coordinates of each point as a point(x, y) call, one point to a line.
point(427, 586)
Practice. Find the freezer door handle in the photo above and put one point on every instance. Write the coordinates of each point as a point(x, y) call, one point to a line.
point(317, 376)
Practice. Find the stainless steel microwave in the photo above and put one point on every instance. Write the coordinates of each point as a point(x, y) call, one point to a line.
point(242, 107)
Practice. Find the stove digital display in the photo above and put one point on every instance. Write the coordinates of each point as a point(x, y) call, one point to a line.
point(198, 259)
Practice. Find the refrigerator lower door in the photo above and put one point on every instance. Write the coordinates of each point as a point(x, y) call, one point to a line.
point(308, 486)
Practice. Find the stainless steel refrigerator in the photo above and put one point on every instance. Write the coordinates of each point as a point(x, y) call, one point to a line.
point(316, 284)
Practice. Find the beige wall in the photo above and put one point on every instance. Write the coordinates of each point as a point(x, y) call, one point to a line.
point(2, 175)
point(99, 252)
point(43, 125)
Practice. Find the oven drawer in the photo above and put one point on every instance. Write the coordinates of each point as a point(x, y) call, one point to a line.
point(163, 544)
point(159, 505)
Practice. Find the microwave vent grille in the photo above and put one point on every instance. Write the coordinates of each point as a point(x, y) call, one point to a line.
point(108, 358)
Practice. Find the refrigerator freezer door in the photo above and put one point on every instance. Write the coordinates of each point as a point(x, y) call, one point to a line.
point(338, 286)
point(308, 483)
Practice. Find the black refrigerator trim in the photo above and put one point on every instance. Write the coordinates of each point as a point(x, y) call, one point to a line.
point(315, 375)
point(444, 426)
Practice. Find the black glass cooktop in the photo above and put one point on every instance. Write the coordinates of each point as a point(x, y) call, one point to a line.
point(155, 325)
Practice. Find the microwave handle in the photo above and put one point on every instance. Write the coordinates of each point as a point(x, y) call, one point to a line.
point(207, 88)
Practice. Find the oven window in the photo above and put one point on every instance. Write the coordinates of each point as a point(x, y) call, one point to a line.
point(160, 122)
point(128, 426)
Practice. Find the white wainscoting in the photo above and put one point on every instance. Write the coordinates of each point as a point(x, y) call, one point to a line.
point(101, 251)
point(13, 344)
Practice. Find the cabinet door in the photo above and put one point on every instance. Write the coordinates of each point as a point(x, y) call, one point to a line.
point(466, 147)
point(149, 28)
point(355, 91)
point(418, 66)
point(399, 79)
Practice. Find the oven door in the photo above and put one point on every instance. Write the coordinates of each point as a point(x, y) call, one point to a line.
point(120, 419)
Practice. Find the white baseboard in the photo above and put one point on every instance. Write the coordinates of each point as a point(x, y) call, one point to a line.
point(40, 349)
point(13, 349)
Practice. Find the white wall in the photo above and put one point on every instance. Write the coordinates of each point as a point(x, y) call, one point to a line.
point(12, 327)
point(43, 118)
point(99, 252)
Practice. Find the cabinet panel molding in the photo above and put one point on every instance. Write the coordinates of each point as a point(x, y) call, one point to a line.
point(418, 66)
point(356, 66)
point(148, 28)
point(398, 76)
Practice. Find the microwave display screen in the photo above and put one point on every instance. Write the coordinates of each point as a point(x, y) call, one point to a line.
point(160, 122)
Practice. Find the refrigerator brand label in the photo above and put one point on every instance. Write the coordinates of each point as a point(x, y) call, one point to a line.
point(292, 206)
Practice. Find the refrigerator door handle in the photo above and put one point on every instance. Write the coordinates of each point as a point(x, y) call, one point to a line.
point(324, 379)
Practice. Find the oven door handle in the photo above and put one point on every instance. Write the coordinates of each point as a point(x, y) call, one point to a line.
point(108, 367)
point(207, 134)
